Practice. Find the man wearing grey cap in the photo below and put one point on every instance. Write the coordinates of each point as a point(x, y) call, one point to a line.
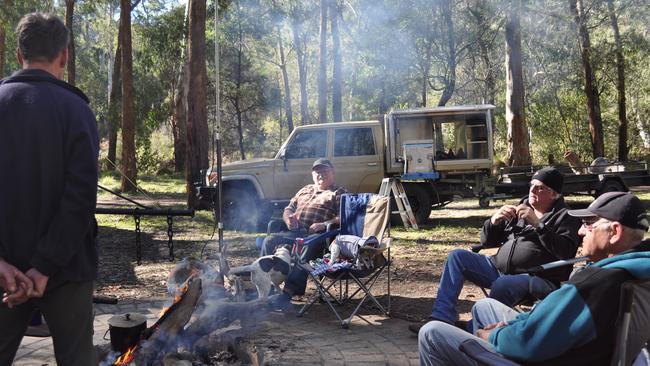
point(575, 324)
point(310, 211)
point(537, 231)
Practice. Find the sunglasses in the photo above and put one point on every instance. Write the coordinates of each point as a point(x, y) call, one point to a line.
point(591, 225)
point(540, 188)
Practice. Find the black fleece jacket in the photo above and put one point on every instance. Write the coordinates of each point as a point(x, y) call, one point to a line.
point(48, 158)
point(522, 247)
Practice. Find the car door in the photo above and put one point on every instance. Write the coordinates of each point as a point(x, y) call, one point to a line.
point(356, 159)
point(294, 171)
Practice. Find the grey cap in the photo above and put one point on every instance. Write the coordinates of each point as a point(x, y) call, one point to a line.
point(322, 162)
point(623, 207)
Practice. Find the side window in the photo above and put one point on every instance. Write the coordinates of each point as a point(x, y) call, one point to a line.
point(307, 144)
point(354, 141)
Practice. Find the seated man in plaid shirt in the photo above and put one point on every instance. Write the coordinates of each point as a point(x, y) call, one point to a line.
point(309, 212)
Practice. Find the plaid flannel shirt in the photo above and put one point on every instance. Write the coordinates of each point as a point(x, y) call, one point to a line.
point(311, 205)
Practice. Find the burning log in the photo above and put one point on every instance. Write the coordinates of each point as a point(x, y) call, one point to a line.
point(232, 341)
point(160, 338)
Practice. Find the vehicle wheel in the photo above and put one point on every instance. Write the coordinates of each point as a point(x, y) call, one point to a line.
point(484, 202)
point(420, 202)
point(241, 210)
point(611, 185)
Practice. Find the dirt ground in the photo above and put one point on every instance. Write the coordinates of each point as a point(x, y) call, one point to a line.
point(417, 256)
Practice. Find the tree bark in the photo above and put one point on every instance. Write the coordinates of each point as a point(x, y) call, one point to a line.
point(3, 42)
point(129, 169)
point(113, 98)
point(518, 149)
point(620, 84)
point(299, 44)
point(337, 63)
point(69, 17)
point(197, 114)
point(287, 87)
point(591, 90)
point(450, 77)
point(179, 119)
point(322, 69)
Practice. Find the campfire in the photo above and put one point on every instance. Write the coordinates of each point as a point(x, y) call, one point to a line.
point(205, 321)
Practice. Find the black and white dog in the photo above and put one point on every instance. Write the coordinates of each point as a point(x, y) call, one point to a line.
point(267, 271)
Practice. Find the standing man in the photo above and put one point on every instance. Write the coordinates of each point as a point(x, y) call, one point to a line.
point(48, 151)
point(574, 325)
point(537, 231)
point(310, 211)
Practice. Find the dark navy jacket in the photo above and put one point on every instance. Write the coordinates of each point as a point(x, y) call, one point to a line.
point(48, 191)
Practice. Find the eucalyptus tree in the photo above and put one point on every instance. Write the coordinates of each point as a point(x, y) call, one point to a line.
point(518, 150)
point(620, 83)
point(581, 16)
point(197, 114)
point(322, 63)
point(129, 168)
point(337, 62)
point(69, 19)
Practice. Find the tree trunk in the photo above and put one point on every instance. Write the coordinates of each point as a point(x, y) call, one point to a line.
point(3, 42)
point(299, 44)
point(322, 69)
point(179, 119)
point(129, 169)
point(518, 150)
point(337, 63)
point(238, 83)
point(591, 90)
point(287, 87)
point(179, 115)
point(620, 85)
point(197, 113)
point(113, 99)
point(69, 17)
point(450, 77)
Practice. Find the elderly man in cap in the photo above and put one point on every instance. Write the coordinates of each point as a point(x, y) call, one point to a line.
point(575, 324)
point(309, 212)
point(537, 231)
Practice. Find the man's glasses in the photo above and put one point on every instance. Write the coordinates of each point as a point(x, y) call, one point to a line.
point(590, 225)
point(539, 188)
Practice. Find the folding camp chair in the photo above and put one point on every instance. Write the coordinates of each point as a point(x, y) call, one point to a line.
point(632, 330)
point(362, 215)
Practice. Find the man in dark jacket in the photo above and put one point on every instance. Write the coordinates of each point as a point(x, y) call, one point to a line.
point(574, 325)
point(535, 232)
point(48, 149)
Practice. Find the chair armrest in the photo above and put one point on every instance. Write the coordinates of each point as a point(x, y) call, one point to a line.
point(276, 225)
point(474, 350)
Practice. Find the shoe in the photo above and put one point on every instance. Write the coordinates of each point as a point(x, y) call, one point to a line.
point(280, 302)
point(41, 330)
point(415, 327)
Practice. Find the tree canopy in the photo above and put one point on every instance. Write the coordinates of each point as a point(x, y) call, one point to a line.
point(378, 55)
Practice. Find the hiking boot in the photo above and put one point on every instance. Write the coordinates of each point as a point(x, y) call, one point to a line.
point(415, 327)
point(280, 302)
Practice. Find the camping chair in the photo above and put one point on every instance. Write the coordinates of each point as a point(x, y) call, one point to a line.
point(632, 329)
point(362, 215)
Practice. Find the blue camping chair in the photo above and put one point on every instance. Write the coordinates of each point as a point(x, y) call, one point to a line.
point(362, 215)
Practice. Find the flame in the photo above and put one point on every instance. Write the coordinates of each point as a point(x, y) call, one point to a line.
point(177, 298)
point(127, 357)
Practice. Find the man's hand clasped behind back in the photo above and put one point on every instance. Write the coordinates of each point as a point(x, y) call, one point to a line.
point(18, 286)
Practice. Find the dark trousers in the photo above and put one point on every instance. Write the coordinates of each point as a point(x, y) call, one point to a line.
point(68, 311)
point(296, 282)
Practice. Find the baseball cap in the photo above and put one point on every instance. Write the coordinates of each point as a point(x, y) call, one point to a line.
point(551, 177)
point(623, 207)
point(322, 162)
